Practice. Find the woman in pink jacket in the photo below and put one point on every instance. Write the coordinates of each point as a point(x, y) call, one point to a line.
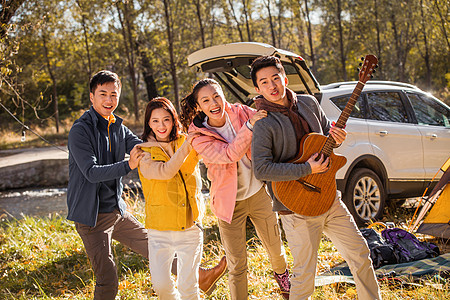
point(222, 133)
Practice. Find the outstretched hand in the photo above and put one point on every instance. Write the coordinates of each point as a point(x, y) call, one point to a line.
point(136, 155)
point(320, 165)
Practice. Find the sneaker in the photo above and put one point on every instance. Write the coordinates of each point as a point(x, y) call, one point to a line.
point(283, 282)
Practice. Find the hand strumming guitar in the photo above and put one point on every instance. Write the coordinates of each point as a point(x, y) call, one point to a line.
point(320, 165)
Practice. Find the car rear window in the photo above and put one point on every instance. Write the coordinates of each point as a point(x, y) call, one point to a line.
point(428, 111)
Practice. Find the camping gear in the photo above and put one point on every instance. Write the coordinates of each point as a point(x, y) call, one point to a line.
point(381, 252)
point(395, 245)
point(437, 223)
point(407, 247)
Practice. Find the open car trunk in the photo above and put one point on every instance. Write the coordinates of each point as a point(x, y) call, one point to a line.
point(230, 63)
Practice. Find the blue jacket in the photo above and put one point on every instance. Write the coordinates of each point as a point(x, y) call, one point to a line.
point(85, 172)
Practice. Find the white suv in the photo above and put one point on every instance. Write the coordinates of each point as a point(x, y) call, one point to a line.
point(398, 136)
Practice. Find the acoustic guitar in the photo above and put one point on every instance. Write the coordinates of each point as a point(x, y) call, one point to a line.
point(313, 195)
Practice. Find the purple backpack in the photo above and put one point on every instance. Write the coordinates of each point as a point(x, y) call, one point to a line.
point(407, 246)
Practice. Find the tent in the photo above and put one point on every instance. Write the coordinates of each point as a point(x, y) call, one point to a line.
point(437, 223)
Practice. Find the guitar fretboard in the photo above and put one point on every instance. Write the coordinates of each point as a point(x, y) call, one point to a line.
point(330, 142)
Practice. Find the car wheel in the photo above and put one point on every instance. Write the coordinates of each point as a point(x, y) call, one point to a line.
point(365, 196)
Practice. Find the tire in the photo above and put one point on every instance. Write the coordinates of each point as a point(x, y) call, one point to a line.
point(365, 196)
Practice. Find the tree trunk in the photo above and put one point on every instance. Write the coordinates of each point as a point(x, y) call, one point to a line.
point(272, 29)
point(397, 45)
point(249, 35)
point(378, 34)
point(52, 76)
point(213, 22)
point(86, 43)
point(280, 23)
point(310, 38)
point(298, 22)
point(443, 24)
point(86, 39)
point(238, 25)
point(398, 49)
point(147, 72)
point(341, 39)
point(173, 67)
point(197, 4)
point(129, 50)
point(427, 51)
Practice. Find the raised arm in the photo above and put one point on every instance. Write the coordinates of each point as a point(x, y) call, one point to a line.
point(82, 150)
point(161, 170)
point(214, 149)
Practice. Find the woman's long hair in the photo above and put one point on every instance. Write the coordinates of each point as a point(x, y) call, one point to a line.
point(161, 102)
point(189, 103)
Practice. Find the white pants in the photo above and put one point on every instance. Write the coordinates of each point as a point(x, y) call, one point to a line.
point(162, 247)
point(303, 234)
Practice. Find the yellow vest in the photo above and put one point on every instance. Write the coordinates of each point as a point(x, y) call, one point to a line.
point(172, 204)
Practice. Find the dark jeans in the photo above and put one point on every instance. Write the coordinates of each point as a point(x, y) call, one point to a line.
point(97, 242)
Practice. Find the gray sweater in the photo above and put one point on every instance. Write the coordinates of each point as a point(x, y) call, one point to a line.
point(274, 144)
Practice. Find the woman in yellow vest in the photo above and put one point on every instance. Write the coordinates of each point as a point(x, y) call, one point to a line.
point(174, 206)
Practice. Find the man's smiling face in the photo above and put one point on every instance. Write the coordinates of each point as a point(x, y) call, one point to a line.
point(105, 98)
point(272, 84)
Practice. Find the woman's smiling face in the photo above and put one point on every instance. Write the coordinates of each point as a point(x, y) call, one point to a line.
point(161, 123)
point(211, 101)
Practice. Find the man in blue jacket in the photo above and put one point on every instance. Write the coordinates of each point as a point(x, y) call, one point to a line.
point(97, 145)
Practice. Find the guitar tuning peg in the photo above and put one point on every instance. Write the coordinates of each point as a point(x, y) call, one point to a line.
point(371, 76)
point(374, 71)
point(362, 58)
point(359, 70)
point(360, 64)
point(376, 66)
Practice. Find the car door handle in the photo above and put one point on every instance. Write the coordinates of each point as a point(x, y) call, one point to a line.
point(432, 136)
point(383, 132)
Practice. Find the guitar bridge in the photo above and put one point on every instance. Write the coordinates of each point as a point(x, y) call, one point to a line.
point(310, 187)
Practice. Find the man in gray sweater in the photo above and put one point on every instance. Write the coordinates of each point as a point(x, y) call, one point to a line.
point(276, 142)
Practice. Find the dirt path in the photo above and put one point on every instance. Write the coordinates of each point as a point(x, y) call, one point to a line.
point(21, 156)
point(31, 201)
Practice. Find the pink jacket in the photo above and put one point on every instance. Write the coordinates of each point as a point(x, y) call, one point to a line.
point(221, 157)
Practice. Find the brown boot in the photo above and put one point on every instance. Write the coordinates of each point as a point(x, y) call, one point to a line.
point(208, 277)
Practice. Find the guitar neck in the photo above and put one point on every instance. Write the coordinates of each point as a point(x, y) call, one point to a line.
point(350, 104)
point(330, 142)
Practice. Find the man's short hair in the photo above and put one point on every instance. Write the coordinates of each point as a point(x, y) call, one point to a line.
point(103, 77)
point(264, 62)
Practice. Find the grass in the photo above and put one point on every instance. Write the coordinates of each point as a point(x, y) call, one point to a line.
point(43, 258)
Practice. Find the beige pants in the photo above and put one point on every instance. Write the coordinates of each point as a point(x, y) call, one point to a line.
point(259, 208)
point(304, 233)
